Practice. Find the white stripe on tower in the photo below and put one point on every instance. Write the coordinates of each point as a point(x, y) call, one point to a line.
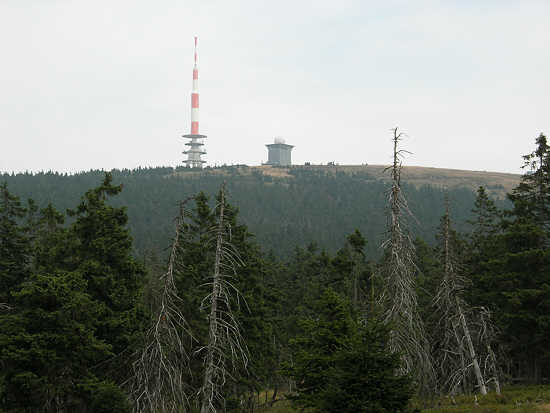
point(195, 97)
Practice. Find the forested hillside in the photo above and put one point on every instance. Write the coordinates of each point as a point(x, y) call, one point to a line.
point(284, 208)
point(87, 325)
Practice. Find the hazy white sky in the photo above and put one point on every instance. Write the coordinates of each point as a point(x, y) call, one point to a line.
point(106, 83)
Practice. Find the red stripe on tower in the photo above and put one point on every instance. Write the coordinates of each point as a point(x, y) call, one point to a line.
point(195, 145)
point(195, 97)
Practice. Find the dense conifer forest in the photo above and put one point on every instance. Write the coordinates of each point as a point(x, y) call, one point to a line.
point(312, 205)
point(152, 291)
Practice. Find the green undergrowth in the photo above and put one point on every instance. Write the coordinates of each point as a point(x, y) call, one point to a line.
point(514, 399)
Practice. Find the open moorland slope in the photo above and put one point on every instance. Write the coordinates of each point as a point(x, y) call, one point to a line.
point(496, 183)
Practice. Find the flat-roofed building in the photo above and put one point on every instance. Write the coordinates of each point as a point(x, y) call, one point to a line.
point(279, 153)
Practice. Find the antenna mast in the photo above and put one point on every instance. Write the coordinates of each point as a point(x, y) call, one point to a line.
point(195, 139)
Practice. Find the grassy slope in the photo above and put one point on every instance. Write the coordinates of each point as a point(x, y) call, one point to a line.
point(496, 183)
point(513, 400)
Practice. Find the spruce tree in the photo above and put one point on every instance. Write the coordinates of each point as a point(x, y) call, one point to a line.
point(73, 310)
point(458, 354)
point(531, 198)
point(527, 261)
point(15, 244)
point(398, 299)
point(194, 266)
point(49, 346)
point(349, 270)
point(486, 217)
point(341, 365)
point(101, 250)
point(513, 274)
point(483, 243)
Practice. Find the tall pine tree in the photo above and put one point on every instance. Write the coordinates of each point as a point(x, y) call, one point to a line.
point(341, 365)
point(513, 274)
point(74, 308)
point(15, 244)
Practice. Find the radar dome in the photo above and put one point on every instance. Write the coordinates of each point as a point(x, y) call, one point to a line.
point(279, 140)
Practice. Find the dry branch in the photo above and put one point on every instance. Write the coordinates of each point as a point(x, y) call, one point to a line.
point(225, 347)
point(4, 306)
point(462, 332)
point(159, 371)
point(398, 298)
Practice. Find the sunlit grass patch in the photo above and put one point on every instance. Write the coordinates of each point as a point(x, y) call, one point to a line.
point(514, 399)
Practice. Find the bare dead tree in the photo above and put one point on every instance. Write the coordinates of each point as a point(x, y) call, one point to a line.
point(398, 298)
point(355, 273)
point(159, 383)
point(5, 307)
point(486, 335)
point(225, 347)
point(353, 284)
point(461, 329)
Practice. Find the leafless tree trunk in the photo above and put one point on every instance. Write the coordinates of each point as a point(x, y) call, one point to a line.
point(355, 273)
point(398, 298)
point(486, 336)
point(473, 356)
point(225, 343)
point(158, 385)
point(457, 350)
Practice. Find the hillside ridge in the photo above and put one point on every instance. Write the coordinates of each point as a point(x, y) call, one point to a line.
point(497, 184)
point(284, 207)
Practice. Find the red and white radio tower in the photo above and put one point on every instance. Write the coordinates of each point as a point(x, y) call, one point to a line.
point(195, 139)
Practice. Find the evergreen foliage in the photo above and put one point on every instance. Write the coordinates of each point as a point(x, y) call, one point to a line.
point(75, 291)
point(340, 365)
point(101, 250)
point(14, 244)
point(511, 267)
point(48, 344)
point(309, 206)
point(74, 303)
point(531, 198)
point(193, 277)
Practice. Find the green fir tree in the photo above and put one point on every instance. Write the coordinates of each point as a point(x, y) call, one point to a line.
point(340, 365)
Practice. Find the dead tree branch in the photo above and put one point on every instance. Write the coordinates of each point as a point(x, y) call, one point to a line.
point(398, 298)
point(159, 384)
point(225, 346)
point(5, 307)
point(461, 333)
